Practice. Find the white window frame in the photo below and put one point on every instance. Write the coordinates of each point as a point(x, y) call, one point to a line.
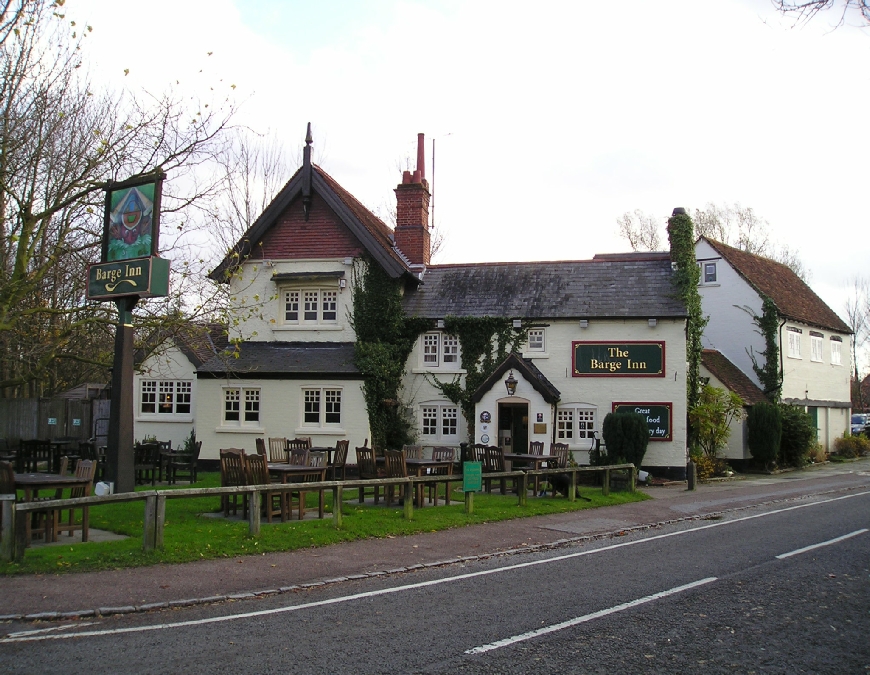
point(439, 350)
point(321, 407)
point(538, 345)
point(836, 351)
point(312, 306)
point(794, 342)
point(577, 424)
point(442, 419)
point(165, 397)
point(247, 409)
point(709, 273)
point(817, 341)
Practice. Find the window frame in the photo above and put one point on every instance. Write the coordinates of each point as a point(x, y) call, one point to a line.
point(329, 405)
point(178, 391)
point(817, 350)
point(249, 407)
point(440, 350)
point(705, 273)
point(584, 424)
point(325, 311)
point(794, 342)
point(836, 354)
point(446, 416)
point(542, 348)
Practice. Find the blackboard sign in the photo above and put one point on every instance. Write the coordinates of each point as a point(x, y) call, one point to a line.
point(658, 417)
point(618, 359)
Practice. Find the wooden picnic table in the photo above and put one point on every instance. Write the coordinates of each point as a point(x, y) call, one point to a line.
point(32, 483)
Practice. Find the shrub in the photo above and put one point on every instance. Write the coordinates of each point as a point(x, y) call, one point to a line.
point(626, 436)
point(798, 436)
point(852, 446)
point(708, 467)
point(712, 417)
point(764, 432)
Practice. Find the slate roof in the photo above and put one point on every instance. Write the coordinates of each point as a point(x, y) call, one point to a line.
point(794, 299)
point(371, 231)
point(626, 288)
point(530, 373)
point(732, 377)
point(285, 360)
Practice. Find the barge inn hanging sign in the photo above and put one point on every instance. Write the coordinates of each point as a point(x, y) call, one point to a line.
point(618, 359)
point(131, 228)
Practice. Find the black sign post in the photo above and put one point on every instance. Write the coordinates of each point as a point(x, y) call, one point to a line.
point(129, 270)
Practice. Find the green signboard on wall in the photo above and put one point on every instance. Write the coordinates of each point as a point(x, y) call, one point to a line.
point(618, 359)
point(658, 417)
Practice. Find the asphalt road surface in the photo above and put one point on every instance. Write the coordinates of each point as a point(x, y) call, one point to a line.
point(777, 589)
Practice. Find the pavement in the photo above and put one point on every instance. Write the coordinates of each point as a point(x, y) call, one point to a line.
point(64, 596)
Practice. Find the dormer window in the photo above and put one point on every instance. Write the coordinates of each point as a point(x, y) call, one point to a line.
point(310, 306)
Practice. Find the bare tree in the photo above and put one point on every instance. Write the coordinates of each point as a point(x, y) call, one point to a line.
point(61, 140)
point(857, 310)
point(804, 10)
point(641, 230)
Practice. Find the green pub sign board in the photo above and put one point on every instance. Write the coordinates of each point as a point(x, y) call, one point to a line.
point(144, 277)
point(472, 476)
point(658, 417)
point(618, 359)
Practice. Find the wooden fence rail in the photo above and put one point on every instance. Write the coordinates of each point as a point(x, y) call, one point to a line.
point(13, 523)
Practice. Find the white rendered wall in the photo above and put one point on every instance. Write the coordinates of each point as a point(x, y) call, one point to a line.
point(169, 364)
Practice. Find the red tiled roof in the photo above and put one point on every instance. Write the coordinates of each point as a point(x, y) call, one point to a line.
point(732, 377)
point(794, 299)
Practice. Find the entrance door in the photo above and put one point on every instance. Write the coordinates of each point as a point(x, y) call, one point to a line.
point(513, 427)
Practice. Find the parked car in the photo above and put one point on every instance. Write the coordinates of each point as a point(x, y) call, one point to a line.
point(859, 422)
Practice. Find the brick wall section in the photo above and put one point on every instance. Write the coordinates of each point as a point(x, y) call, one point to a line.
point(323, 235)
point(412, 221)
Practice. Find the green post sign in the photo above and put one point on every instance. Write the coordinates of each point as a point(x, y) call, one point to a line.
point(658, 417)
point(618, 359)
point(143, 277)
point(472, 476)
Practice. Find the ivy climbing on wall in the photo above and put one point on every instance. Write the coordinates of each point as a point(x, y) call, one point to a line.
point(687, 274)
point(385, 337)
point(769, 374)
point(484, 342)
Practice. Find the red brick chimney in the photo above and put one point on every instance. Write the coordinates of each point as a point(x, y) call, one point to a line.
point(412, 212)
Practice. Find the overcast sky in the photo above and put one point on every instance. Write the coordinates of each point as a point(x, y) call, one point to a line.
point(551, 119)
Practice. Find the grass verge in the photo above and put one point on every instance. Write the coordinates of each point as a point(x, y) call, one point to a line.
point(191, 535)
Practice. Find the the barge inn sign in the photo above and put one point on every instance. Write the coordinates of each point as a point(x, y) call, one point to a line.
point(131, 226)
point(618, 359)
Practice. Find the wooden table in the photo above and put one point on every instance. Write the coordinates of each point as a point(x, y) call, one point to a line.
point(535, 461)
point(420, 467)
point(32, 483)
point(295, 473)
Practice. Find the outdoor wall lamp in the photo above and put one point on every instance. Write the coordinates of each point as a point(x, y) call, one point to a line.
point(518, 323)
point(440, 323)
point(584, 323)
point(511, 384)
point(652, 323)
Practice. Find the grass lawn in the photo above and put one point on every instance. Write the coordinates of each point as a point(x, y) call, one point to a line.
point(190, 535)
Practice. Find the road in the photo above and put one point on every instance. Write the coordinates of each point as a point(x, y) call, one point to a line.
point(782, 588)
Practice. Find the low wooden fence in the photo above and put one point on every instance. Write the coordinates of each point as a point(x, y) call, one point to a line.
point(13, 517)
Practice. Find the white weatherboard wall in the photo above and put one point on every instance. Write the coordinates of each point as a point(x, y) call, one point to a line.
point(281, 408)
point(259, 302)
point(169, 364)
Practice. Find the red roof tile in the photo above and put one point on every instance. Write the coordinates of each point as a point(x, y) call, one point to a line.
point(732, 377)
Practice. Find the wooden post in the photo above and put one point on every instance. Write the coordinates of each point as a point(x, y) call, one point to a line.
point(469, 503)
point(254, 514)
point(159, 521)
point(7, 527)
point(19, 530)
point(148, 540)
point(336, 506)
point(523, 488)
point(572, 488)
point(605, 486)
point(409, 500)
point(632, 479)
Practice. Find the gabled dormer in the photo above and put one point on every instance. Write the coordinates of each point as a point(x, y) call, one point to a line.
point(291, 273)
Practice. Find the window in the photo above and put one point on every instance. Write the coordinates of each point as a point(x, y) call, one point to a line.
point(440, 350)
point(574, 424)
point(310, 306)
point(816, 342)
point(241, 407)
point(440, 422)
point(536, 340)
point(321, 407)
point(794, 342)
point(836, 351)
point(165, 397)
point(710, 273)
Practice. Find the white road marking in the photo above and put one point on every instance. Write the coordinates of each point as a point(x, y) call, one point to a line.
point(30, 637)
point(586, 617)
point(53, 629)
point(820, 544)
